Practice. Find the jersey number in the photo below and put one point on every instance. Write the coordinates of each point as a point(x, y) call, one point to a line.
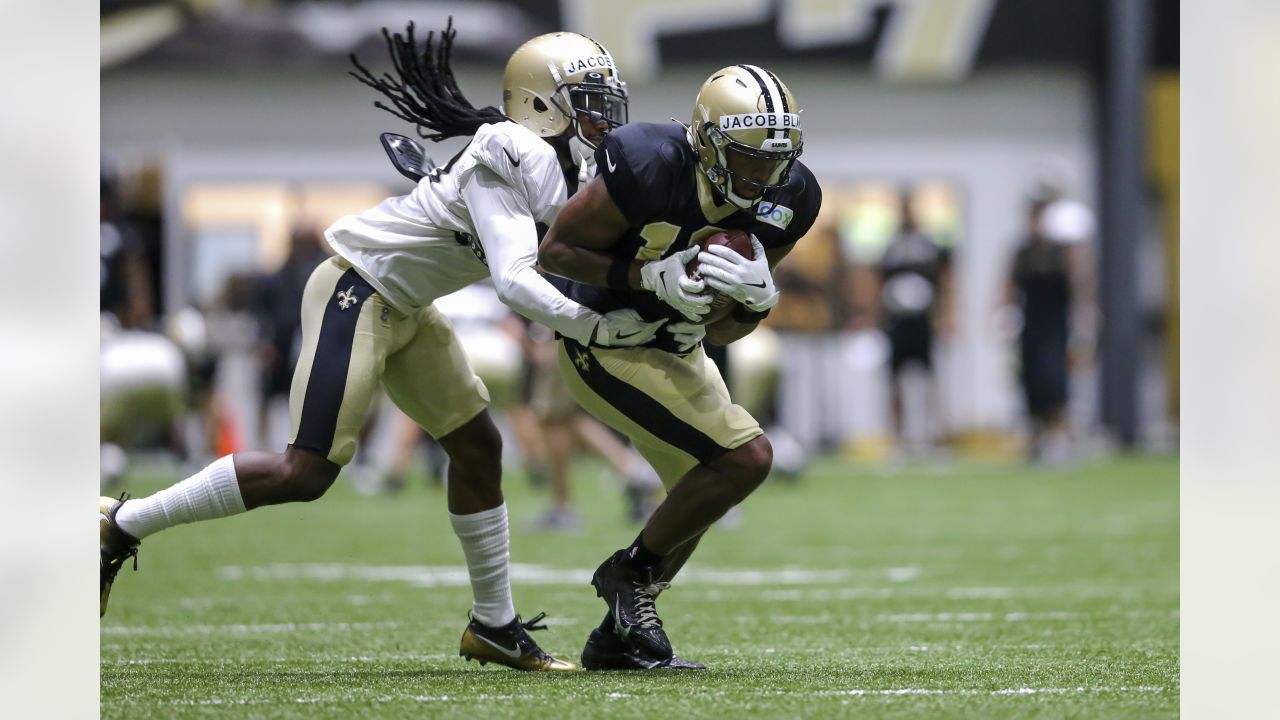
point(659, 237)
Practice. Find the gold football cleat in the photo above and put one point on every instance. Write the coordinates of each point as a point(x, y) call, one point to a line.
point(115, 546)
point(509, 645)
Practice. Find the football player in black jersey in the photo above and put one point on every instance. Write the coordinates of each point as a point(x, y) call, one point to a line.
point(623, 242)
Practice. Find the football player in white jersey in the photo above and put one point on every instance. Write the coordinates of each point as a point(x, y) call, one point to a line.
point(368, 318)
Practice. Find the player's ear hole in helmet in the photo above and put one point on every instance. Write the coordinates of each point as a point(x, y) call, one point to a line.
point(562, 80)
point(746, 132)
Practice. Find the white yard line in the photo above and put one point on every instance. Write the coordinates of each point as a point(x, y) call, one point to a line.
point(976, 617)
point(524, 574)
point(468, 698)
point(1003, 691)
point(1017, 616)
point(240, 661)
point(242, 629)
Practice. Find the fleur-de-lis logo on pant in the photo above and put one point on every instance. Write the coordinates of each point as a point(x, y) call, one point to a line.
point(582, 360)
point(347, 298)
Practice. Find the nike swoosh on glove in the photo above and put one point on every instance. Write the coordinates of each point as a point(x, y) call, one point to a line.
point(747, 280)
point(667, 279)
point(625, 328)
point(687, 335)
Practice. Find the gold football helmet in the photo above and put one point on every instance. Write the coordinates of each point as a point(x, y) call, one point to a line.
point(746, 131)
point(555, 78)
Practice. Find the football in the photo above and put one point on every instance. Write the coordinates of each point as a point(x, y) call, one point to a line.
point(740, 242)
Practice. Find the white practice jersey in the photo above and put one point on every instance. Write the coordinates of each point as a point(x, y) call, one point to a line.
point(418, 247)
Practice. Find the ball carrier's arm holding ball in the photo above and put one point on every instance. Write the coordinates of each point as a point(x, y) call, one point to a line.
point(625, 241)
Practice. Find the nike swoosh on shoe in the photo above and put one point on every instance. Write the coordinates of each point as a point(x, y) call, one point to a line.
point(513, 654)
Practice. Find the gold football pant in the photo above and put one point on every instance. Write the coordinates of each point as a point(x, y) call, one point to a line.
point(352, 339)
point(675, 409)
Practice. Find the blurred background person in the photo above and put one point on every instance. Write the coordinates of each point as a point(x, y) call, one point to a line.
point(915, 292)
point(1052, 283)
point(126, 267)
point(142, 373)
point(812, 319)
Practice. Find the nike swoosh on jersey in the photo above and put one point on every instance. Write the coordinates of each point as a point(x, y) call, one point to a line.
point(513, 654)
point(620, 336)
point(515, 162)
point(608, 161)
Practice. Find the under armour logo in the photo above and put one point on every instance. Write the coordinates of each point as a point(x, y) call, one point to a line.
point(582, 360)
point(347, 298)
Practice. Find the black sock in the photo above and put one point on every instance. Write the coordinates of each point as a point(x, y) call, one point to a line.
point(642, 555)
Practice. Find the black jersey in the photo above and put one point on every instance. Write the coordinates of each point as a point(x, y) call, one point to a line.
point(1040, 272)
point(652, 176)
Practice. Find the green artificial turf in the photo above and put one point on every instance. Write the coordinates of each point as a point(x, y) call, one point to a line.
point(962, 591)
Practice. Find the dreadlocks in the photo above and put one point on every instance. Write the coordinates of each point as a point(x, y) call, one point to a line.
point(426, 93)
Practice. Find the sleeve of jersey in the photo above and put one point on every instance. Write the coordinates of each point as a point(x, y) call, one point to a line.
point(807, 213)
point(634, 174)
point(495, 150)
point(506, 230)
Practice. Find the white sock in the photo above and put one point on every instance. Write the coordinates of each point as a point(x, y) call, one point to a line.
point(211, 493)
point(486, 545)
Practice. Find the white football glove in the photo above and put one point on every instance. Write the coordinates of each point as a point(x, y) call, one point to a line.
point(687, 335)
point(748, 281)
point(669, 281)
point(624, 328)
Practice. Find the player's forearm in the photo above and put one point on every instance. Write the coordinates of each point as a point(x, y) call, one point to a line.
point(581, 264)
point(727, 330)
point(529, 294)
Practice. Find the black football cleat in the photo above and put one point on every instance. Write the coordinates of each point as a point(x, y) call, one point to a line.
point(606, 651)
point(630, 590)
point(509, 645)
point(115, 546)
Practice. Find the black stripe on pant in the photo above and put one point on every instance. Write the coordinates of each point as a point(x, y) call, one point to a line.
point(328, 379)
point(642, 409)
